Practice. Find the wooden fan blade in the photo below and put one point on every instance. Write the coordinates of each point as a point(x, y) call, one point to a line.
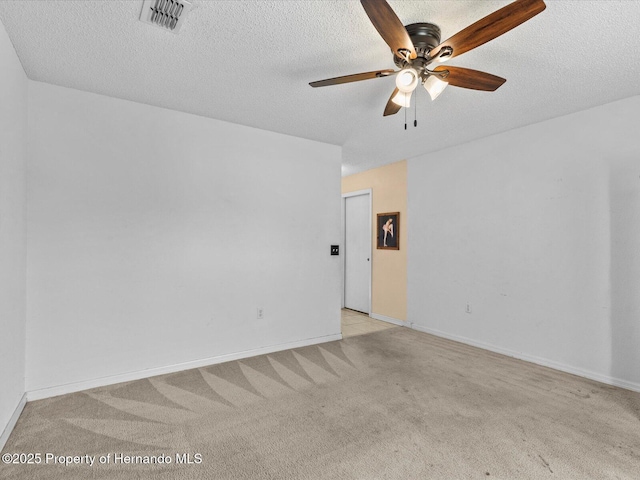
point(389, 27)
point(491, 26)
point(392, 108)
point(352, 78)
point(473, 79)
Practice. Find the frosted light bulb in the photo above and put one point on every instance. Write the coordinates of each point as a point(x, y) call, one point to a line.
point(402, 98)
point(407, 80)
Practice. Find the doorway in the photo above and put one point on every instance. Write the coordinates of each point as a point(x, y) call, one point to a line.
point(357, 251)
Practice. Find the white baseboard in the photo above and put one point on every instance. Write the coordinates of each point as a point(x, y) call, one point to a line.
point(152, 372)
point(598, 377)
point(395, 321)
point(12, 421)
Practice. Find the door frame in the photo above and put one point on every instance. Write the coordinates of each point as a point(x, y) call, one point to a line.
point(369, 192)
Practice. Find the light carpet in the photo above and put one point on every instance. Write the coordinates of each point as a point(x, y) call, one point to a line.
point(395, 404)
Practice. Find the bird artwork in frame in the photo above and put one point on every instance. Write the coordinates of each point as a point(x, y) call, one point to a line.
point(388, 231)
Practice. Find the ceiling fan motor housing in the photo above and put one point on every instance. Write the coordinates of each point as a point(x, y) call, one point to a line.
point(425, 37)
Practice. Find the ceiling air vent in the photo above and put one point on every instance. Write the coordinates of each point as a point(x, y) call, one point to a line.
point(166, 14)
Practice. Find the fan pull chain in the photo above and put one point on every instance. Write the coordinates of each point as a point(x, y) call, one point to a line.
point(405, 118)
point(415, 112)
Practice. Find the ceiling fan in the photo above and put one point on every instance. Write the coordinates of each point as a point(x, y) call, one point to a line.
point(415, 47)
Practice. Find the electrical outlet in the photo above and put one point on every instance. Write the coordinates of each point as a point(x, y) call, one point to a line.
point(260, 313)
point(468, 308)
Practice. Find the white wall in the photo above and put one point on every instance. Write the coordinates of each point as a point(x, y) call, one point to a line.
point(624, 198)
point(154, 236)
point(538, 230)
point(13, 136)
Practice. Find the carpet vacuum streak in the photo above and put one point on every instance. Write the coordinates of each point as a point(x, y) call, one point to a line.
point(395, 404)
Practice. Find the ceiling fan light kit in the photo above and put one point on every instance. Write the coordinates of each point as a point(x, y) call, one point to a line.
point(416, 46)
point(434, 86)
point(402, 99)
point(407, 80)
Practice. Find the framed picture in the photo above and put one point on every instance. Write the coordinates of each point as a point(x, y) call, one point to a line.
point(389, 231)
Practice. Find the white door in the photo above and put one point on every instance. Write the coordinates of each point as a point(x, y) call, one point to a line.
point(357, 253)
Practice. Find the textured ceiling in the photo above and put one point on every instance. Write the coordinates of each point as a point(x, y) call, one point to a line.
point(249, 62)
